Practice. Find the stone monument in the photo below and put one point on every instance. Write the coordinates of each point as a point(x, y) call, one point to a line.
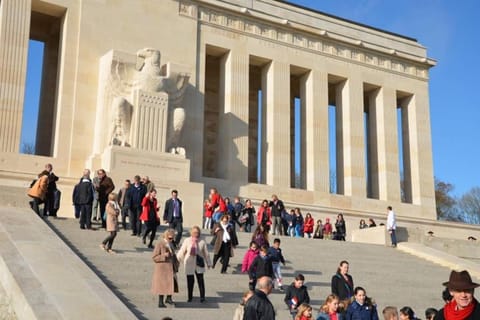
point(140, 112)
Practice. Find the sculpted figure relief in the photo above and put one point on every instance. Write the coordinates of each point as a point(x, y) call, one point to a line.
point(150, 76)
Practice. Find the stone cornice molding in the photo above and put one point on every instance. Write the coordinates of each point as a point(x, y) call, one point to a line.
point(261, 25)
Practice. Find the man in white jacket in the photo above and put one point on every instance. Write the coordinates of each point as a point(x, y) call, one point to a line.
point(392, 225)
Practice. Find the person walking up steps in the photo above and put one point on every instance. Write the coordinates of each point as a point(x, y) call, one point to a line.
point(276, 256)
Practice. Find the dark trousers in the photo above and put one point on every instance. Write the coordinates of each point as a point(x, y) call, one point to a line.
point(35, 205)
point(76, 208)
point(393, 236)
point(152, 229)
point(176, 224)
point(135, 223)
point(108, 242)
point(102, 203)
point(224, 253)
point(49, 204)
point(85, 216)
point(191, 282)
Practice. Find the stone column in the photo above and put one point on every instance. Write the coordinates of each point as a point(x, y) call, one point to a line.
point(277, 124)
point(383, 139)
point(418, 164)
point(350, 139)
point(233, 137)
point(14, 36)
point(316, 128)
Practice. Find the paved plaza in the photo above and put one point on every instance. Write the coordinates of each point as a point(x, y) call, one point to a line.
point(389, 276)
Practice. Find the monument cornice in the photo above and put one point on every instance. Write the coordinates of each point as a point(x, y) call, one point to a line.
point(262, 25)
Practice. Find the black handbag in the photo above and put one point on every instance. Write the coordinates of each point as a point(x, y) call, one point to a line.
point(200, 262)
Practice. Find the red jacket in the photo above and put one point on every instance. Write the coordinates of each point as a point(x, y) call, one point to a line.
point(263, 211)
point(146, 208)
point(217, 200)
point(248, 258)
point(308, 225)
point(208, 210)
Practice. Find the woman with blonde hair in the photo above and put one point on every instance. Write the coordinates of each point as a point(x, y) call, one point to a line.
point(304, 312)
point(330, 309)
point(112, 210)
point(195, 257)
point(165, 268)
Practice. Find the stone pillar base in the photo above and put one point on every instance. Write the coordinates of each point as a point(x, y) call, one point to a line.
point(167, 171)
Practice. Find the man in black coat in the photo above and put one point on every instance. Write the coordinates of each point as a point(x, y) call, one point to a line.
point(277, 208)
point(259, 307)
point(83, 199)
point(50, 196)
point(133, 200)
point(173, 215)
point(463, 306)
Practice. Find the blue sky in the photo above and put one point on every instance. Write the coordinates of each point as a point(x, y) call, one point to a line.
point(449, 30)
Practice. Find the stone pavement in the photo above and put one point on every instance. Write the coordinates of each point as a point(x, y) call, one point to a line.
point(391, 277)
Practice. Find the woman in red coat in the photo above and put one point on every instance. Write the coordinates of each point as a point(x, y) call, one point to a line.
point(150, 216)
point(308, 224)
point(264, 215)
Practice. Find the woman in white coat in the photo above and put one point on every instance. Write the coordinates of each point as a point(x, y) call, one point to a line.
point(194, 255)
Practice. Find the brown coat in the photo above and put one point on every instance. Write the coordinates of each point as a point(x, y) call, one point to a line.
point(219, 237)
point(162, 282)
point(39, 189)
point(112, 217)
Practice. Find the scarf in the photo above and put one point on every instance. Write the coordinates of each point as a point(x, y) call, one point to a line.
point(114, 204)
point(226, 235)
point(194, 248)
point(451, 313)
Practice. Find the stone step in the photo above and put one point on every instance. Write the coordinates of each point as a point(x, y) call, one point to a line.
point(440, 258)
point(390, 276)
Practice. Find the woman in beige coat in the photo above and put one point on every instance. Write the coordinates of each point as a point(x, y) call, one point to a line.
point(194, 254)
point(164, 258)
point(113, 210)
point(38, 191)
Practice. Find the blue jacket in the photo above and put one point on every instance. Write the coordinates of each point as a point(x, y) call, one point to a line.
point(135, 195)
point(355, 311)
point(276, 255)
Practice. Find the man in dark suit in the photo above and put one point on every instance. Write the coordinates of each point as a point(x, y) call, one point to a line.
point(173, 215)
point(51, 189)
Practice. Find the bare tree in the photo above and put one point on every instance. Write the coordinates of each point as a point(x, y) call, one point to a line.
point(447, 208)
point(469, 204)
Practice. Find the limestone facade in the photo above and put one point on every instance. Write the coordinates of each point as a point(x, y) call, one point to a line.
point(249, 62)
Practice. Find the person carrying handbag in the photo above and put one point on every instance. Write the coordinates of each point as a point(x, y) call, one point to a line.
point(194, 255)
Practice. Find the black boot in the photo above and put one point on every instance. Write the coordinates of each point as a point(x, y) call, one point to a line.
point(160, 302)
point(169, 300)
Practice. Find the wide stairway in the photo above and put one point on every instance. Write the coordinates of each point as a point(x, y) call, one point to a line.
point(389, 276)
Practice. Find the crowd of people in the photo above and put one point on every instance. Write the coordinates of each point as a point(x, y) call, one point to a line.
point(94, 200)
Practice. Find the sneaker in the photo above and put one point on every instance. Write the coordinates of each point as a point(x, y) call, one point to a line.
point(102, 246)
